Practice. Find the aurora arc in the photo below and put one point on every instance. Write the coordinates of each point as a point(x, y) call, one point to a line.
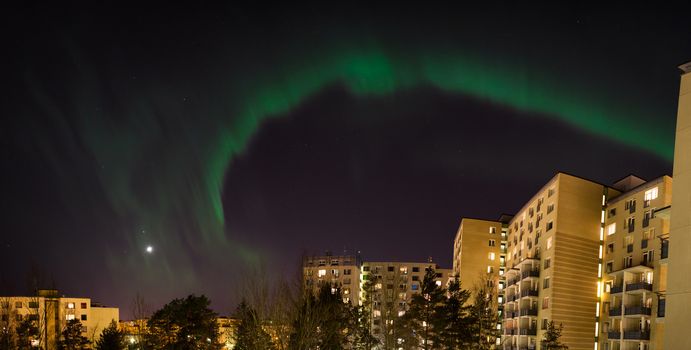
point(190, 167)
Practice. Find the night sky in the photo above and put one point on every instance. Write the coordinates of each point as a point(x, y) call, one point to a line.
point(226, 139)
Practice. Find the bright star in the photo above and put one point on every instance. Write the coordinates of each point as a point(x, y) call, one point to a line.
point(149, 249)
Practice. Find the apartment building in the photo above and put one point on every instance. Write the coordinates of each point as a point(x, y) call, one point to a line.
point(341, 270)
point(49, 312)
point(552, 258)
point(393, 286)
point(678, 296)
point(636, 231)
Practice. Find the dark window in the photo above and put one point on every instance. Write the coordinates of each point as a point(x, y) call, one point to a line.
point(84, 306)
point(33, 317)
point(416, 278)
point(390, 268)
point(83, 317)
point(33, 305)
point(416, 269)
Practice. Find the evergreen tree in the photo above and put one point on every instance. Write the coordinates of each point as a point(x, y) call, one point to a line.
point(457, 333)
point(250, 335)
point(550, 341)
point(484, 314)
point(72, 338)
point(424, 322)
point(184, 324)
point(111, 338)
point(6, 338)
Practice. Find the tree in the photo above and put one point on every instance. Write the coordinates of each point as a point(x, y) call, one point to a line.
point(550, 341)
point(26, 331)
point(424, 322)
point(484, 314)
point(111, 338)
point(250, 335)
point(184, 324)
point(457, 332)
point(72, 338)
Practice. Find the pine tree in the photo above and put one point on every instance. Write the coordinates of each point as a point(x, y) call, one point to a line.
point(184, 324)
point(250, 335)
point(72, 338)
point(484, 314)
point(550, 341)
point(25, 332)
point(423, 323)
point(457, 333)
point(111, 338)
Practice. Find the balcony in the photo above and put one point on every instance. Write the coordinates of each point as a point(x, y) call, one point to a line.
point(529, 293)
point(530, 273)
point(637, 335)
point(529, 331)
point(616, 289)
point(612, 335)
point(509, 331)
point(615, 311)
point(528, 312)
point(637, 310)
point(639, 286)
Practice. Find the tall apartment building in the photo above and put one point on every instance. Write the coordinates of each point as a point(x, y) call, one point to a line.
point(393, 285)
point(678, 312)
point(553, 248)
point(342, 270)
point(636, 231)
point(49, 313)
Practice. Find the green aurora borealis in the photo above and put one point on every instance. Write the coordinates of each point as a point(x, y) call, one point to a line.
point(158, 112)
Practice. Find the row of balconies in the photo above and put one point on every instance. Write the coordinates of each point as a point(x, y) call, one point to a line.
point(642, 285)
point(521, 331)
point(630, 335)
point(522, 312)
point(631, 310)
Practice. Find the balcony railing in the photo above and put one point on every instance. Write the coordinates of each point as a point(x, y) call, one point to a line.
point(615, 311)
point(616, 289)
point(637, 310)
point(637, 335)
point(529, 292)
point(529, 331)
point(509, 331)
point(528, 312)
point(613, 335)
point(639, 285)
point(530, 273)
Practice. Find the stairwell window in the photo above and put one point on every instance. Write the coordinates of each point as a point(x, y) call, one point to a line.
point(549, 242)
point(491, 243)
point(549, 226)
point(611, 228)
point(545, 283)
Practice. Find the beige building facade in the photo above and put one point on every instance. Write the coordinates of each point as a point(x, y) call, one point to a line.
point(635, 266)
point(340, 270)
point(678, 296)
point(49, 313)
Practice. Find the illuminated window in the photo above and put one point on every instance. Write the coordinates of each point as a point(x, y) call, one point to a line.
point(438, 283)
point(492, 229)
point(70, 317)
point(490, 269)
point(403, 269)
point(491, 256)
point(549, 242)
point(650, 194)
point(376, 313)
point(321, 273)
point(611, 228)
point(70, 305)
point(545, 303)
point(401, 313)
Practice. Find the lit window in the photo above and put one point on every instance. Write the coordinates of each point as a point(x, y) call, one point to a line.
point(490, 269)
point(401, 313)
point(438, 283)
point(70, 305)
point(492, 229)
point(549, 242)
point(611, 228)
point(321, 273)
point(491, 256)
point(376, 313)
point(70, 317)
point(650, 194)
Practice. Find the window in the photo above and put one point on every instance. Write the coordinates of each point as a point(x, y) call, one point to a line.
point(608, 267)
point(612, 212)
point(5, 304)
point(365, 268)
point(550, 224)
point(545, 322)
point(69, 317)
point(416, 278)
point(545, 283)
point(33, 317)
point(17, 304)
point(389, 268)
point(33, 305)
point(610, 248)
point(71, 305)
point(414, 286)
point(492, 230)
point(491, 256)
point(491, 243)
point(403, 270)
point(84, 306)
point(550, 208)
point(548, 263)
point(347, 271)
point(628, 261)
point(550, 192)
point(320, 273)
point(334, 262)
point(490, 269)
point(545, 303)
point(549, 242)
point(416, 269)
point(83, 317)
point(611, 228)
point(631, 223)
point(650, 194)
